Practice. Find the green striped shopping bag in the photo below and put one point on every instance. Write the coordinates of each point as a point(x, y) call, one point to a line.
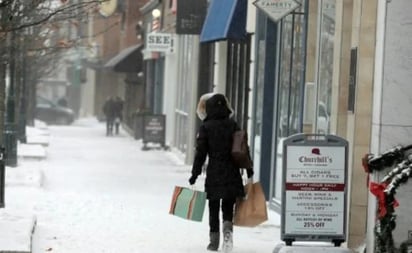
point(188, 203)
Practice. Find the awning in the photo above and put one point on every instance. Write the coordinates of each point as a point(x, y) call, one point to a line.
point(129, 60)
point(226, 19)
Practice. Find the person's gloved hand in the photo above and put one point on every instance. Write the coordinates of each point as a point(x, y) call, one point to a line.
point(249, 173)
point(192, 180)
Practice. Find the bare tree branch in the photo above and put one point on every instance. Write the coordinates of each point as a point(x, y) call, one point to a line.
point(21, 15)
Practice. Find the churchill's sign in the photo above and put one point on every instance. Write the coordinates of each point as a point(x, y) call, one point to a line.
point(276, 9)
point(314, 188)
point(159, 42)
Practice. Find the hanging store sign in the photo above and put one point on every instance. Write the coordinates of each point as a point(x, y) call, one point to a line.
point(314, 188)
point(276, 9)
point(190, 16)
point(159, 42)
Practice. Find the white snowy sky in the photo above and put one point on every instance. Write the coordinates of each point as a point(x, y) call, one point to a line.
point(104, 194)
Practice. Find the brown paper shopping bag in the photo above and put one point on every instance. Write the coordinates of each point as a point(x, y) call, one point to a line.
point(251, 211)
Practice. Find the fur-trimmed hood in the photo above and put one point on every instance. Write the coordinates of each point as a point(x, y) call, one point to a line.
point(211, 104)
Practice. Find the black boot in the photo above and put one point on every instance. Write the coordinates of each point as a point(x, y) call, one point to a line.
point(227, 236)
point(214, 241)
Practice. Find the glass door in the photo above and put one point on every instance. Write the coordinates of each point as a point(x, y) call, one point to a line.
point(289, 87)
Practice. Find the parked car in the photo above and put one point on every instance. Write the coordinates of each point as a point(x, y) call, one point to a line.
point(52, 113)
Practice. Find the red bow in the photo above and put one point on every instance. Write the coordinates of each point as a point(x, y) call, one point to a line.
point(379, 191)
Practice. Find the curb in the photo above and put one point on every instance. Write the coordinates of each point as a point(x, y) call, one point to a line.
point(17, 236)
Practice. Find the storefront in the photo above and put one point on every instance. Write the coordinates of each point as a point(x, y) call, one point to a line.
point(153, 59)
point(293, 84)
point(224, 32)
point(186, 79)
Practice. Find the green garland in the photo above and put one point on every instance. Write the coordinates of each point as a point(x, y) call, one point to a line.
point(385, 193)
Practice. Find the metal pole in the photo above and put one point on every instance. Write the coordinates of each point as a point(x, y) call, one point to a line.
point(23, 94)
point(2, 178)
point(10, 139)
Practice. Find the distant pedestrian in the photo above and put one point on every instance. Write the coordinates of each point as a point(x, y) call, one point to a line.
point(118, 113)
point(109, 112)
point(223, 178)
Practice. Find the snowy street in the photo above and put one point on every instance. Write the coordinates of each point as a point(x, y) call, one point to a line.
point(104, 194)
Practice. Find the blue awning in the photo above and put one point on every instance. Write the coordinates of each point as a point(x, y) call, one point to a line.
point(226, 19)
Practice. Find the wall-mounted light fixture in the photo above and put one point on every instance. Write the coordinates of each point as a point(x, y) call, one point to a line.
point(156, 13)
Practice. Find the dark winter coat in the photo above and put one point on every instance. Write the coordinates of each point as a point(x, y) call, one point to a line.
point(118, 108)
point(214, 140)
point(109, 109)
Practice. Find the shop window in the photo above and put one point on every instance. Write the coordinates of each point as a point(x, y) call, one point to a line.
point(184, 93)
point(237, 83)
point(285, 42)
point(291, 78)
point(290, 88)
point(324, 70)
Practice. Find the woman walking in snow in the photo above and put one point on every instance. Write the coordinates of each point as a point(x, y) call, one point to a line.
point(223, 183)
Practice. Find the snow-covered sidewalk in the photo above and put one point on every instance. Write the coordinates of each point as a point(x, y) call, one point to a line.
point(104, 194)
point(22, 187)
point(18, 219)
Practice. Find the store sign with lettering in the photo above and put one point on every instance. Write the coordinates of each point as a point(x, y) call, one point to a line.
point(190, 16)
point(154, 127)
point(315, 190)
point(276, 9)
point(159, 42)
